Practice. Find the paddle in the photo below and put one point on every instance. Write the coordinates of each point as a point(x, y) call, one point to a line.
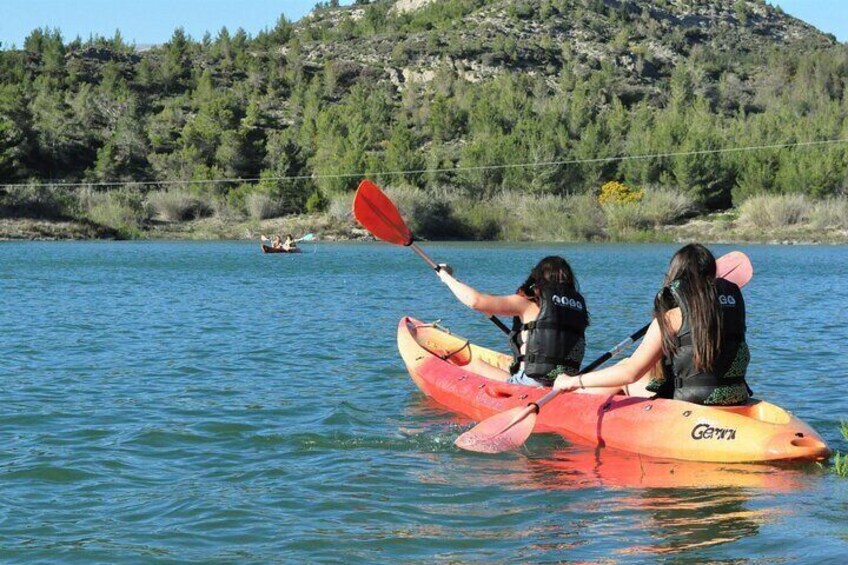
point(510, 429)
point(373, 209)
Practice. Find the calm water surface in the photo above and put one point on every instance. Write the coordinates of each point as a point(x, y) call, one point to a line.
point(202, 403)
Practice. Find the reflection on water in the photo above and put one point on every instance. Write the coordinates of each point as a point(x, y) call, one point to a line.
point(681, 521)
point(677, 505)
point(648, 506)
point(594, 467)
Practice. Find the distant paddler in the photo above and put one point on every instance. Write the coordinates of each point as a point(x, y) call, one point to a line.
point(287, 246)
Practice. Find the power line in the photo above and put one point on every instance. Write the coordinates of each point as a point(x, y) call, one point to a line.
point(536, 164)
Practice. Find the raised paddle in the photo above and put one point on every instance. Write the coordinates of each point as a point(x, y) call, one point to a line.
point(373, 209)
point(509, 430)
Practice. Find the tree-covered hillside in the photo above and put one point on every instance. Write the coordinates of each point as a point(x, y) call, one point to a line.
point(463, 93)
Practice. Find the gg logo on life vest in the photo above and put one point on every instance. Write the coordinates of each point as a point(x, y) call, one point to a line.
point(566, 301)
point(706, 431)
point(726, 300)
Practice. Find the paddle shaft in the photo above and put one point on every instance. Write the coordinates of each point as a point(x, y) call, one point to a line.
point(436, 268)
point(621, 346)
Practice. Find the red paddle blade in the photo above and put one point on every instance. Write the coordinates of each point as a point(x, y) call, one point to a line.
point(502, 432)
point(735, 267)
point(378, 214)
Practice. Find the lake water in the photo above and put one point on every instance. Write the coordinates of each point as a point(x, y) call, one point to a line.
point(181, 402)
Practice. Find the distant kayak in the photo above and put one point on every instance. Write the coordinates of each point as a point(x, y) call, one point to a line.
point(269, 249)
point(672, 429)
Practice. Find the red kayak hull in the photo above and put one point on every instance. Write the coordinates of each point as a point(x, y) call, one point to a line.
point(671, 429)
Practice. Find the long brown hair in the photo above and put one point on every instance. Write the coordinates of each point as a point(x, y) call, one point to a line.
point(551, 269)
point(692, 272)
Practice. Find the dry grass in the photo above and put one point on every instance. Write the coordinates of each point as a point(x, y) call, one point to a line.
point(123, 210)
point(261, 206)
point(516, 216)
point(178, 205)
point(775, 211)
point(658, 207)
point(340, 207)
point(830, 214)
point(661, 206)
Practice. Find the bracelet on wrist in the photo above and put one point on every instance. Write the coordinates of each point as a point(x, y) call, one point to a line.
point(580, 380)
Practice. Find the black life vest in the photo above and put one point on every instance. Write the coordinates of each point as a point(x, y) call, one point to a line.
point(725, 384)
point(556, 339)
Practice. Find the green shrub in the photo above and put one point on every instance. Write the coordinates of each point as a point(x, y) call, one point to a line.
point(840, 461)
point(316, 202)
point(36, 201)
point(237, 197)
point(840, 464)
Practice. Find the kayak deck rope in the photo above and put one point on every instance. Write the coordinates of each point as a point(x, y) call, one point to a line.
point(437, 325)
point(447, 356)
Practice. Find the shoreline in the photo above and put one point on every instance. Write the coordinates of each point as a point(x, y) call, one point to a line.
point(715, 229)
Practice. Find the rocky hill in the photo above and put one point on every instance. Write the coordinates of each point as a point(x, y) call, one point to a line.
point(641, 40)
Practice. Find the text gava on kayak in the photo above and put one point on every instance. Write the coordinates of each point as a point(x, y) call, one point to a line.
point(706, 431)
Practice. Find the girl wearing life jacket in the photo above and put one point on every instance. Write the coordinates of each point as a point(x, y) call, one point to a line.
point(698, 337)
point(549, 323)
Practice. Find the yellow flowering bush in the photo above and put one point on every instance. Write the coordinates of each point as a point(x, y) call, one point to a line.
point(615, 192)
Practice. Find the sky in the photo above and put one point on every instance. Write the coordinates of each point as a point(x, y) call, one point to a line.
point(145, 22)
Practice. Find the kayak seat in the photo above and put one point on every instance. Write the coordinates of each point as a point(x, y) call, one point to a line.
point(759, 410)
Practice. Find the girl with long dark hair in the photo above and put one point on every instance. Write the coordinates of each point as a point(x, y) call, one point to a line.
point(697, 337)
point(549, 323)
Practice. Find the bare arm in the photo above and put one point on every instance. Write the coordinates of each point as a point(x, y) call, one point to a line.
point(628, 370)
point(506, 305)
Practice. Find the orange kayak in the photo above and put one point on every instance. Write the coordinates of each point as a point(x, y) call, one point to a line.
point(269, 249)
point(672, 429)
